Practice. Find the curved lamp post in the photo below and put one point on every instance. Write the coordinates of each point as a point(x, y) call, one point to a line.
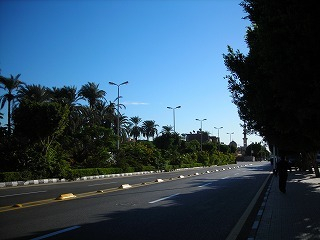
point(174, 117)
point(201, 120)
point(118, 115)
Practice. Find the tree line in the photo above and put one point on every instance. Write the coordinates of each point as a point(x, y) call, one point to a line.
point(276, 86)
point(51, 131)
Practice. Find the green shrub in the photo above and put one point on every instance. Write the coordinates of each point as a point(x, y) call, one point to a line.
point(15, 176)
point(9, 176)
point(76, 173)
point(148, 168)
point(105, 171)
point(191, 165)
point(219, 158)
point(203, 157)
point(137, 155)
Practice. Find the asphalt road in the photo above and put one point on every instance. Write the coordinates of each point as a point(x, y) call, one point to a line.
point(204, 206)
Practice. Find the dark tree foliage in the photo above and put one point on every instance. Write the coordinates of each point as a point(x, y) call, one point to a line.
point(168, 141)
point(275, 86)
point(37, 121)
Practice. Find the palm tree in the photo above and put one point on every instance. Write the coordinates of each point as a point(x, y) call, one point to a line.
point(65, 95)
point(11, 85)
point(88, 116)
point(149, 128)
point(123, 124)
point(166, 129)
point(91, 93)
point(110, 114)
point(34, 93)
point(135, 130)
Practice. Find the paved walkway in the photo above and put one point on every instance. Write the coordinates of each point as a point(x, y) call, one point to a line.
point(294, 215)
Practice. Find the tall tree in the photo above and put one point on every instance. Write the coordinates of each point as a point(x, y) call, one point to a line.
point(42, 122)
point(11, 84)
point(65, 95)
point(34, 93)
point(166, 129)
point(105, 112)
point(135, 130)
point(275, 86)
point(91, 93)
point(123, 131)
point(149, 128)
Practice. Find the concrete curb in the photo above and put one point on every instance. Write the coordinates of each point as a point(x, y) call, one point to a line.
point(30, 182)
point(56, 180)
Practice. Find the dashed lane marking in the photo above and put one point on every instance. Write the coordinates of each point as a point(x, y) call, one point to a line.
point(205, 185)
point(165, 198)
point(56, 233)
point(98, 184)
point(18, 194)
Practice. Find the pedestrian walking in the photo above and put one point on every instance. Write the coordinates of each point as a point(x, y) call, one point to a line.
point(282, 170)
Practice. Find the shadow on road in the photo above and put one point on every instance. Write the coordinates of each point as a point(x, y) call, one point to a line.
point(208, 212)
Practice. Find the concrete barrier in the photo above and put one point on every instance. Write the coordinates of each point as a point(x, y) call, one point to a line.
point(124, 186)
point(66, 196)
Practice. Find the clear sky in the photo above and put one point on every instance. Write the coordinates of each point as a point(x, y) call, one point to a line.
point(170, 51)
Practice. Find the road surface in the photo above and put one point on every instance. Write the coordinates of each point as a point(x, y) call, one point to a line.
point(202, 203)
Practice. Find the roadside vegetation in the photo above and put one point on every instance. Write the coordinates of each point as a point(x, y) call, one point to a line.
point(69, 133)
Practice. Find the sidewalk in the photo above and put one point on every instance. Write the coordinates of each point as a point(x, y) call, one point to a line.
point(294, 215)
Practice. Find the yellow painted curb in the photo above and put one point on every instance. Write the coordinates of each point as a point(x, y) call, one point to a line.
point(17, 205)
point(66, 196)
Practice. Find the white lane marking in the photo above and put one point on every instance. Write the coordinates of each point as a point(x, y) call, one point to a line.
point(161, 199)
point(236, 173)
point(18, 194)
point(225, 178)
point(255, 225)
point(100, 184)
point(56, 233)
point(205, 185)
point(146, 177)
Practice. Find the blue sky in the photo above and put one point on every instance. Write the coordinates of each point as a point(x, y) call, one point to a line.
point(170, 51)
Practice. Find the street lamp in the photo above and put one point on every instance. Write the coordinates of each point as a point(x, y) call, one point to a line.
point(174, 117)
point(201, 120)
point(230, 139)
point(118, 123)
point(218, 136)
